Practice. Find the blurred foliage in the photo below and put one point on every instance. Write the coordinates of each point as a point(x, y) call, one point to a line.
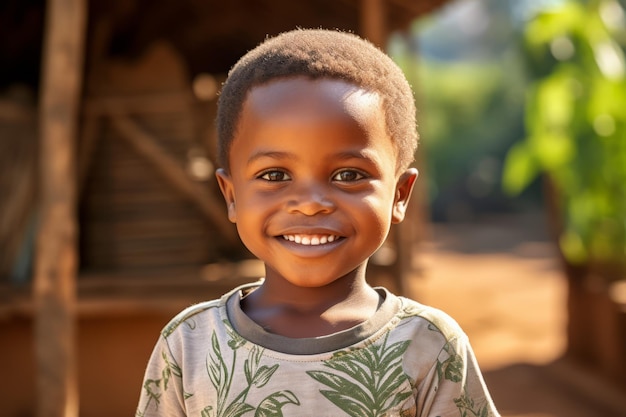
point(470, 92)
point(467, 121)
point(576, 124)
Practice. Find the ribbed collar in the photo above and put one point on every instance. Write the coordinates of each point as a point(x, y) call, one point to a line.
point(251, 331)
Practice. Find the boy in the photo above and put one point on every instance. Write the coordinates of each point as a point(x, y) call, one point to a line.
point(316, 132)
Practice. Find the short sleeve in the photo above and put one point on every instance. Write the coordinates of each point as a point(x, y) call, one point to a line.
point(162, 392)
point(454, 385)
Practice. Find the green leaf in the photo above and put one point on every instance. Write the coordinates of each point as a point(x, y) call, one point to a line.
point(554, 101)
point(216, 367)
point(572, 247)
point(153, 393)
point(237, 409)
point(519, 170)
point(367, 357)
point(165, 375)
point(348, 405)
point(398, 399)
point(551, 24)
point(343, 386)
point(349, 365)
point(263, 375)
point(553, 149)
point(390, 384)
point(247, 371)
point(206, 412)
point(454, 368)
point(393, 353)
point(272, 405)
point(235, 340)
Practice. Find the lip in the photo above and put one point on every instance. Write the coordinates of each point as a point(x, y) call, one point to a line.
point(309, 251)
point(308, 230)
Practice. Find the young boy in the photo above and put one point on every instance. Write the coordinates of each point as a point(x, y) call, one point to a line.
point(316, 134)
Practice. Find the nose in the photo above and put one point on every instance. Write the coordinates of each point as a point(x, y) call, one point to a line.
point(310, 199)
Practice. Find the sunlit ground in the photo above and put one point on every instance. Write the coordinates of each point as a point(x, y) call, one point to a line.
point(500, 279)
point(511, 304)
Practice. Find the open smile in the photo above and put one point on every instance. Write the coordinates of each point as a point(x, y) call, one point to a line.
point(310, 245)
point(311, 240)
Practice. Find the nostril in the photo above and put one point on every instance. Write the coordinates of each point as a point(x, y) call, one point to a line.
point(311, 205)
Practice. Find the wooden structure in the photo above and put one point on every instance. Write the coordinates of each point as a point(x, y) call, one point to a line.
point(130, 225)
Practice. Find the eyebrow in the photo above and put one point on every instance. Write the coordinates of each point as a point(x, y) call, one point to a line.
point(270, 154)
point(279, 155)
point(356, 155)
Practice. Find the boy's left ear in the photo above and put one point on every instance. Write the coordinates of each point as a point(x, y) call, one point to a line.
point(404, 188)
point(226, 186)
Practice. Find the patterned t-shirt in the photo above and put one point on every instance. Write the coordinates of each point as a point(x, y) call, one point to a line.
point(407, 360)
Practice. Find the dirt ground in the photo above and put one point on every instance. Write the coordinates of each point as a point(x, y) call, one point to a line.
point(500, 279)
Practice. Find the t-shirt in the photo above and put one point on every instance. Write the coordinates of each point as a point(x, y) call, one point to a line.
point(408, 359)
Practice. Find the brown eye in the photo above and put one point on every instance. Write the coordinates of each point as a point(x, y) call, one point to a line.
point(274, 175)
point(348, 175)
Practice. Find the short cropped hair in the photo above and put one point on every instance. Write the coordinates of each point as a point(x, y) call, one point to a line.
point(315, 54)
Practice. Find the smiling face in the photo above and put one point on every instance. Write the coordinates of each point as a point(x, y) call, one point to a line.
point(313, 184)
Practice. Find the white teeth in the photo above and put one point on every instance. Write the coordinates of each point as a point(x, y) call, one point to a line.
point(310, 240)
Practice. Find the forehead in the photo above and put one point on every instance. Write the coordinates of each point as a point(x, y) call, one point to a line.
point(311, 113)
point(319, 97)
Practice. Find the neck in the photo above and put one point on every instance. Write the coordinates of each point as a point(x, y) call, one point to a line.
point(296, 311)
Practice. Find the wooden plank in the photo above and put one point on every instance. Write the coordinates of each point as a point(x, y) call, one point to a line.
point(158, 103)
point(15, 113)
point(147, 146)
point(89, 141)
point(56, 261)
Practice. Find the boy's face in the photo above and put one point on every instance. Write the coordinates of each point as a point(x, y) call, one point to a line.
point(313, 186)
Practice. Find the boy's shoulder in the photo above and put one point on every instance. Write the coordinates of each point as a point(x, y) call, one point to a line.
point(188, 314)
point(436, 319)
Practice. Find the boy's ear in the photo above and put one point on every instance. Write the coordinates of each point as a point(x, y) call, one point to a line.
point(404, 188)
point(228, 191)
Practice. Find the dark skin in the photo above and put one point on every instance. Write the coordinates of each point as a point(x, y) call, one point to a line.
point(313, 188)
point(298, 312)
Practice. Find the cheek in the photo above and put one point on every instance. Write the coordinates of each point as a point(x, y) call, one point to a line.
point(253, 210)
point(258, 203)
point(375, 214)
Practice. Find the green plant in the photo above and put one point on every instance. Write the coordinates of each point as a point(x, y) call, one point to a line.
point(576, 125)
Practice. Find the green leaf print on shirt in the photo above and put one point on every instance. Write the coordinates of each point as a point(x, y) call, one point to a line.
point(468, 408)
point(272, 405)
point(154, 387)
point(221, 376)
point(366, 382)
point(452, 367)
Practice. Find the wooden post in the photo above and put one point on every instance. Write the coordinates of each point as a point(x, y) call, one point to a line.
point(373, 22)
point(374, 28)
point(56, 261)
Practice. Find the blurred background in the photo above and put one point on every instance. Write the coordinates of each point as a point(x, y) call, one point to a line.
point(111, 221)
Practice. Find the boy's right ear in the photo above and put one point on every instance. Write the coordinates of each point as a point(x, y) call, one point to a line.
point(228, 191)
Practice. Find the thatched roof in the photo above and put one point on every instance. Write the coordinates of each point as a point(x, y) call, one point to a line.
point(211, 34)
